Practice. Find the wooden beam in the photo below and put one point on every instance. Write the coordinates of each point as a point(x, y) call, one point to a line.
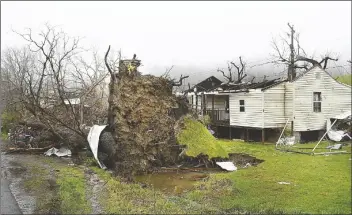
point(247, 138)
point(263, 135)
point(204, 104)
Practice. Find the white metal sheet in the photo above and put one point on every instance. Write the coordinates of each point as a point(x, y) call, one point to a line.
point(229, 166)
point(93, 140)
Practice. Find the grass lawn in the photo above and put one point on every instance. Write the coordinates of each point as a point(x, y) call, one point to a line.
point(318, 184)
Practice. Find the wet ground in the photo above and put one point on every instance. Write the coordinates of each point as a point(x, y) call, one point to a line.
point(19, 169)
point(172, 182)
point(28, 184)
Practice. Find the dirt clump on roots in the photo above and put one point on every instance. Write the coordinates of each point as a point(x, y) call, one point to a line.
point(144, 123)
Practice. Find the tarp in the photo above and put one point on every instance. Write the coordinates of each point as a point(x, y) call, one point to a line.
point(93, 140)
point(229, 166)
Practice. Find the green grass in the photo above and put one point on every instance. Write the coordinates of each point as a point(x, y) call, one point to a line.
point(319, 184)
point(64, 192)
point(72, 191)
point(199, 140)
point(346, 79)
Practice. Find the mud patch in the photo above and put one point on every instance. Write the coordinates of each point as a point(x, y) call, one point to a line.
point(16, 174)
point(244, 160)
point(171, 182)
point(94, 189)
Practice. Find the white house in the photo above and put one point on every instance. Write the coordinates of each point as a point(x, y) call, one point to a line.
point(305, 102)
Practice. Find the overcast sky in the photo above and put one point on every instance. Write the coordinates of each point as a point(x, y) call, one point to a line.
point(198, 36)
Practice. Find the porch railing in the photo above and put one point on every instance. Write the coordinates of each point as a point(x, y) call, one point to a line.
point(218, 115)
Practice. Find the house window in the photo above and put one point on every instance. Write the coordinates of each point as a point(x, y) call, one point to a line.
point(317, 102)
point(242, 109)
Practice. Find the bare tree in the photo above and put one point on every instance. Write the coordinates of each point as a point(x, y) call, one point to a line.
point(289, 52)
point(51, 80)
point(230, 75)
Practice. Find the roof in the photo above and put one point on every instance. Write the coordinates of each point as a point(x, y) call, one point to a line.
point(243, 87)
point(207, 84)
point(305, 72)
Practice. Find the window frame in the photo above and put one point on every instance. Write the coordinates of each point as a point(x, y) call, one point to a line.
point(242, 106)
point(317, 108)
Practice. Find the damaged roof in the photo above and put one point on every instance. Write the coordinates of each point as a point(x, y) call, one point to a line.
point(242, 87)
point(206, 84)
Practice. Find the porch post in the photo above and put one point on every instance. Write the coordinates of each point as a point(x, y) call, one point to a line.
point(205, 104)
point(212, 107)
point(247, 138)
point(263, 135)
point(230, 133)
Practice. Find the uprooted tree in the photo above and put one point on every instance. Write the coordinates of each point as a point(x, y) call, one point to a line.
point(294, 56)
point(141, 119)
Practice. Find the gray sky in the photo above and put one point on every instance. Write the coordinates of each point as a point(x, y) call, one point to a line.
point(194, 36)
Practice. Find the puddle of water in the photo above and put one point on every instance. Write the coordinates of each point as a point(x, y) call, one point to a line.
point(15, 173)
point(172, 182)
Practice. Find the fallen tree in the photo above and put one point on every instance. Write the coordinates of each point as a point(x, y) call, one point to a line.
point(141, 120)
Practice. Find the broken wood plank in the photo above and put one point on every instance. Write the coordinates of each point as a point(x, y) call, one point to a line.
point(27, 150)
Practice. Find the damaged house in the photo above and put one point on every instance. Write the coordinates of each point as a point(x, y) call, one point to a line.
point(199, 96)
point(259, 111)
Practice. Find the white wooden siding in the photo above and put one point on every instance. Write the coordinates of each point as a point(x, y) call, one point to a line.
point(336, 98)
point(274, 102)
point(288, 104)
point(252, 117)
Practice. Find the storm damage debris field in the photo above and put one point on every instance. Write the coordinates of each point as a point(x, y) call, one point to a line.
point(59, 187)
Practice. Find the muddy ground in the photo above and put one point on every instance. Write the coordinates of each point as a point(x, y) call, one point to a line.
point(35, 182)
point(32, 181)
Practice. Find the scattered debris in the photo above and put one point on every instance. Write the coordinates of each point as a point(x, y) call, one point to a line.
point(286, 141)
point(30, 150)
point(331, 130)
point(62, 152)
point(333, 133)
point(336, 146)
point(93, 140)
point(229, 166)
point(247, 165)
point(282, 182)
